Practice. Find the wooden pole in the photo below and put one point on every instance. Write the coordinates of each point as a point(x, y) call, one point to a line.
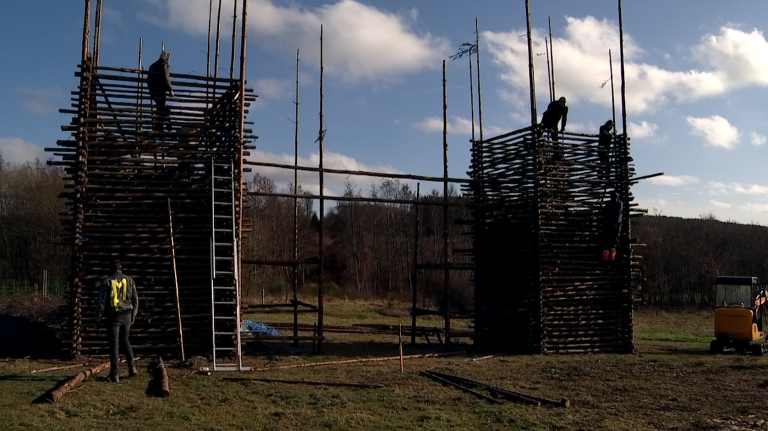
point(356, 361)
point(613, 97)
point(86, 30)
point(218, 41)
point(296, 208)
point(208, 51)
point(140, 99)
point(479, 92)
point(66, 367)
point(176, 282)
point(234, 39)
point(623, 82)
point(415, 287)
point(445, 381)
point(531, 76)
point(472, 95)
point(321, 216)
point(162, 377)
point(552, 55)
point(305, 382)
point(400, 345)
point(446, 258)
point(58, 391)
point(97, 34)
point(549, 71)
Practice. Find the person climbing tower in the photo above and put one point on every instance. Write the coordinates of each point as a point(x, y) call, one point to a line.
point(612, 214)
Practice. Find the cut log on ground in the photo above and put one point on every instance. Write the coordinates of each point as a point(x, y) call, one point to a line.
point(61, 389)
point(355, 361)
point(161, 374)
point(305, 382)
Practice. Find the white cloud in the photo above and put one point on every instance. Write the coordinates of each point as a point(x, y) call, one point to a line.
point(273, 88)
point(756, 139)
point(761, 208)
point(40, 100)
point(716, 130)
point(720, 204)
point(671, 180)
point(360, 41)
point(642, 130)
point(458, 125)
point(718, 188)
point(731, 59)
point(17, 150)
point(309, 180)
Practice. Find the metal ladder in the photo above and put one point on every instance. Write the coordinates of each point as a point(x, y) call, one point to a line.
point(225, 277)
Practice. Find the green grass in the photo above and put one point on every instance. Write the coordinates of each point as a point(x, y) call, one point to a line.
point(671, 383)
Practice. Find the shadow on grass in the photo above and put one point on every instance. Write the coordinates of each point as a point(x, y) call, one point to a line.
point(353, 349)
point(27, 378)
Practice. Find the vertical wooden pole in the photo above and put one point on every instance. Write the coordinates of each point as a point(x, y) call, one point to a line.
point(552, 55)
point(623, 82)
point(415, 287)
point(549, 71)
point(446, 258)
point(613, 97)
point(531, 76)
point(321, 215)
point(86, 30)
point(176, 281)
point(140, 98)
point(472, 95)
point(296, 209)
point(234, 44)
point(218, 42)
point(400, 345)
point(97, 34)
point(208, 52)
point(623, 179)
point(479, 92)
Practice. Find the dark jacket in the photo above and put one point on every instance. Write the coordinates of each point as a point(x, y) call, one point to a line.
point(117, 294)
point(553, 114)
point(159, 77)
point(606, 137)
point(612, 212)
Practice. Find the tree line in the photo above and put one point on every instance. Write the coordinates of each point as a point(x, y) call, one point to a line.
point(369, 247)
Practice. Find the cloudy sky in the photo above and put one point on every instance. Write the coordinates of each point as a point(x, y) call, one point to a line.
point(696, 75)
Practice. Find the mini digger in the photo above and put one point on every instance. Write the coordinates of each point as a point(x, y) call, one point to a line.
point(740, 315)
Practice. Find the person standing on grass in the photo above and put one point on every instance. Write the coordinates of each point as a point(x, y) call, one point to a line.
point(120, 302)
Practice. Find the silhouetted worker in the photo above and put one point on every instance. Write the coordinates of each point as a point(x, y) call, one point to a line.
point(117, 295)
point(159, 85)
point(604, 141)
point(556, 111)
point(612, 213)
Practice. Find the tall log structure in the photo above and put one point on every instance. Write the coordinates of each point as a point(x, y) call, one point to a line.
point(121, 176)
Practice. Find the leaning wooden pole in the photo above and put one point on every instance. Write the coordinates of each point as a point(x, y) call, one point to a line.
point(531, 75)
point(180, 331)
point(623, 82)
point(321, 216)
point(208, 51)
point(446, 256)
point(296, 209)
point(97, 34)
point(471, 95)
point(479, 92)
point(549, 70)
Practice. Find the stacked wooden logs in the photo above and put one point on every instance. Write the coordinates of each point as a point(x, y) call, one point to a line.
point(541, 285)
point(120, 175)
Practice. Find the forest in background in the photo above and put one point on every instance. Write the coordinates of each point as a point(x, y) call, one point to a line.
point(369, 247)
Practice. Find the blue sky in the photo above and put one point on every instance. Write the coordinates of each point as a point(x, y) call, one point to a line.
point(697, 73)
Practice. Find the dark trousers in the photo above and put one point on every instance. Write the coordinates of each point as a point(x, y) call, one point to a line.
point(118, 330)
point(610, 235)
point(605, 165)
point(162, 112)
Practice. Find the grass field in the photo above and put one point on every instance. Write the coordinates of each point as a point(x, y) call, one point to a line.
point(671, 383)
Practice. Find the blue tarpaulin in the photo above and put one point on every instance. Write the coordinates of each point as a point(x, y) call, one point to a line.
point(257, 328)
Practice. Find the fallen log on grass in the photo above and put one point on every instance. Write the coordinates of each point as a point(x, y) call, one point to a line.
point(161, 374)
point(305, 382)
point(445, 381)
point(355, 361)
point(61, 389)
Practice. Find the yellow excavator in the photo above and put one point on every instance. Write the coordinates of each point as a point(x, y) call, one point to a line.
point(740, 315)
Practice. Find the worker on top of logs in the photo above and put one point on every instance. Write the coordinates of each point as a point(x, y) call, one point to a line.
point(159, 85)
point(556, 110)
point(604, 141)
point(117, 295)
point(612, 214)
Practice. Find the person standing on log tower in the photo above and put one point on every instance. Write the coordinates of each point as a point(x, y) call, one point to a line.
point(159, 85)
point(117, 295)
point(604, 148)
point(556, 111)
point(612, 213)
